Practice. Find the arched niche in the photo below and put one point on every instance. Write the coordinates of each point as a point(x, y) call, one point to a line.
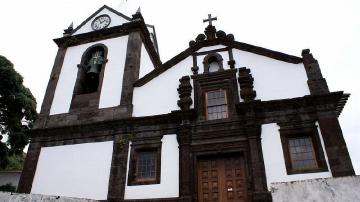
point(86, 94)
point(213, 62)
point(91, 70)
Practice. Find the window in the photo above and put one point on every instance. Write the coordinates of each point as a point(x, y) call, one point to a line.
point(216, 105)
point(145, 164)
point(302, 149)
point(302, 153)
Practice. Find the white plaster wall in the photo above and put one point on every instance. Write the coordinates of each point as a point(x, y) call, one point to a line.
point(80, 170)
point(208, 48)
point(274, 158)
point(112, 83)
point(169, 179)
point(114, 71)
point(146, 64)
point(159, 96)
point(116, 20)
point(273, 79)
point(224, 55)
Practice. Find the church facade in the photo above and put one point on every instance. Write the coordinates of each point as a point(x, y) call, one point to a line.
point(220, 121)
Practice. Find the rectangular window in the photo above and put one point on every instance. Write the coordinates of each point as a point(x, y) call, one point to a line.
point(302, 154)
point(146, 166)
point(216, 105)
point(302, 148)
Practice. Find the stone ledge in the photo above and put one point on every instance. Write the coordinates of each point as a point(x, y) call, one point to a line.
point(344, 189)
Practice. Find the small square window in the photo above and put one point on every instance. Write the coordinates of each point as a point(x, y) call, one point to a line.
point(145, 164)
point(216, 105)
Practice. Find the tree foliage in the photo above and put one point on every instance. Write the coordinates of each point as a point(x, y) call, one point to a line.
point(17, 111)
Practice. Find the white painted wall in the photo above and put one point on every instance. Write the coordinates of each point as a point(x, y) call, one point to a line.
point(159, 96)
point(274, 158)
point(112, 84)
point(116, 20)
point(273, 79)
point(80, 170)
point(169, 179)
point(146, 64)
point(114, 71)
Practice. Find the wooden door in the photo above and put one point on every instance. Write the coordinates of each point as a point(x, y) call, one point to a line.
point(222, 179)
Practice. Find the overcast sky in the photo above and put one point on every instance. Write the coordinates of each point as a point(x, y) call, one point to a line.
point(331, 29)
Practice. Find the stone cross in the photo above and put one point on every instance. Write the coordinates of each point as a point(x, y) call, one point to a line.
point(210, 19)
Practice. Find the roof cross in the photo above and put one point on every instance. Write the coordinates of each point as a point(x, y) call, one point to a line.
point(210, 19)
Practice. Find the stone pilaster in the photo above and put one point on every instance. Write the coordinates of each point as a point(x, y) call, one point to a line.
point(29, 169)
point(132, 68)
point(335, 146)
point(317, 84)
point(184, 139)
point(256, 166)
point(118, 173)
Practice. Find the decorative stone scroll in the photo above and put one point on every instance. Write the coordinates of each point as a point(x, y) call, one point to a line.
point(246, 85)
point(184, 91)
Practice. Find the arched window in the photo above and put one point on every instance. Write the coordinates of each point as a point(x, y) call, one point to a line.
point(91, 70)
point(213, 62)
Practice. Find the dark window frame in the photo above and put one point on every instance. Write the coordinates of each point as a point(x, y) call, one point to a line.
point(225, 80)
point(288, 132)
point(133, 164)
point(207, 104)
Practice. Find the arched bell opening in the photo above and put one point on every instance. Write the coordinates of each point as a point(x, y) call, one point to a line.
point(91, 69)
point(213, 62)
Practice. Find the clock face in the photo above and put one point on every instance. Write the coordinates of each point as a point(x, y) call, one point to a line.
point(100, 22)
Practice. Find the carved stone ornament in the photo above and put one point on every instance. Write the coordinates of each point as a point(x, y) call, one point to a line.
point(246, 84)
point(184, 90)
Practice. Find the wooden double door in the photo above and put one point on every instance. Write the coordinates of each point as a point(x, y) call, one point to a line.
point(222, 179)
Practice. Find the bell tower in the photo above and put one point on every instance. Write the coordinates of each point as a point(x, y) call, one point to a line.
point(96, 66)
point(92, 80)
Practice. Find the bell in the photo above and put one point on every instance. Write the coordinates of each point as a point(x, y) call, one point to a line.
point(94, 69)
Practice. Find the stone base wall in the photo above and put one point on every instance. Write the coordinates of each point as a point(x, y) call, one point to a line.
point(344, 189)
point(15, 197)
